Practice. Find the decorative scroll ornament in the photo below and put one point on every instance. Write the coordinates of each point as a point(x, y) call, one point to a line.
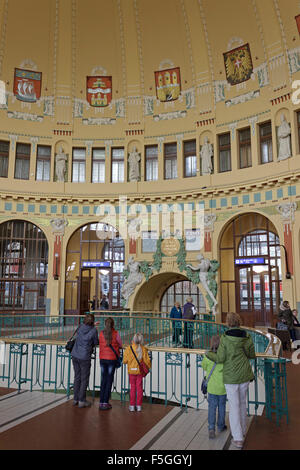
point(287, 211)
point(58, 226)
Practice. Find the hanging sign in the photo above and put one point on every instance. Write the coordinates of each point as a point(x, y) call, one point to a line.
point(240, 261)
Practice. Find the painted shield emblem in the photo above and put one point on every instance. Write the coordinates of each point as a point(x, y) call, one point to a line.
point(238, 64)
point(99, 91)
point(27, 85)
point(168, 84)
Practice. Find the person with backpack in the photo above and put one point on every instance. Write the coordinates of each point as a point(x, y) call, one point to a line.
point(234, 352)
point(189, 313)
point(132, 356)
point(216, 391)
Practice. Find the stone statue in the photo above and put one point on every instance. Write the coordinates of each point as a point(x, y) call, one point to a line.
point(206, 155)
point(284, 133)
point(134, 158)
point(134, 227)
point(60, 165)
point(203, 267)
point(58, 225)
point(133, 279)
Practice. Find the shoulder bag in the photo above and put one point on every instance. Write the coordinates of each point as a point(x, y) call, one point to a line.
point(144, 369)
point(119, 360)
point(70, 344)
point(205, 381)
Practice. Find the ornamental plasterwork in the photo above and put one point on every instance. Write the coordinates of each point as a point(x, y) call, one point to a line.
point(58, 226)
point(169, 116)
point(262, 75)
point(219, 87)
point(98, 121)
point(149, 105)
point(24, 116)
point(287, 211)
point(243, 98)
point(209, 222)
point(294, 60)
point(120, 108)
point(28, 64)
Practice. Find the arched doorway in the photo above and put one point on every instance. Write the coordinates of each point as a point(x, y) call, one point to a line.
point(179, 292)
point(23, 268)
point(250, 269)
point(94, 267)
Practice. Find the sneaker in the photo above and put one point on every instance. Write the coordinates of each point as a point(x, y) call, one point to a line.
point(211, 434)
point(84, 404)
point(75, 402)
point(223, 429)
point(131, 408)
point(238, 444)
point(138, 408)
point(105, 406)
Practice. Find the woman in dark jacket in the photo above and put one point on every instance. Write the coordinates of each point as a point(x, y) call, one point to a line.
point(86, 340)
point(176, 325)
point(286, 316)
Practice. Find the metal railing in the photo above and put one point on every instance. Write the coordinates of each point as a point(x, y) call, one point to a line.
point(36, 358)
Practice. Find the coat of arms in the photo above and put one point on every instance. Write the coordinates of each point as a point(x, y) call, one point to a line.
point(238, 64)
point(167, 84)
point(27, 85)
point(99, 91)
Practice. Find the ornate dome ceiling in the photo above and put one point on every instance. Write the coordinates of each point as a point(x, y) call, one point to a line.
point(129, 40)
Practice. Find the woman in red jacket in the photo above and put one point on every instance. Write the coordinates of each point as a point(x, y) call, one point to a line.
point(109, 345)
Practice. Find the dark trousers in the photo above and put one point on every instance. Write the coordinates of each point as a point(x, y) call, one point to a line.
point(107, 377)
point(176, 334)
point(81, 379)
point(188, 340)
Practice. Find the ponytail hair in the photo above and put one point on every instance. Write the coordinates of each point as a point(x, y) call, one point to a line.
point(138, 339)
point(107, 332)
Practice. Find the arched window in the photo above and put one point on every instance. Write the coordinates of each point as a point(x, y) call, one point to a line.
point(94, 267)
point(179, 292)
point(23, 267)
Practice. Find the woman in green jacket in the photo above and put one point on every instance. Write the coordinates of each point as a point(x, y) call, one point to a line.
point(235, 349)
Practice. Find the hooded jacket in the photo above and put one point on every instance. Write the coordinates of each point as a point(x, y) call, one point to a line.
point(86, 339)
point(235, 349)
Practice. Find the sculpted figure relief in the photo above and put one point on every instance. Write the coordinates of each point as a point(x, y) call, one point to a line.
point(206, 155)
point(134, 158)
point(284, 133)
point(58, 225)
point(203, 267)
point(60, 165)
point(133, 279)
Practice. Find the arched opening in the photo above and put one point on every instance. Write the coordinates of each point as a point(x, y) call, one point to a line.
point(23, 268)
point(178, 292)
point(94, 269)
point(250, 269)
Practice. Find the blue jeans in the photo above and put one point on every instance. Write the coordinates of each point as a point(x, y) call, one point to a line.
point(216, 402)
point(107, 377)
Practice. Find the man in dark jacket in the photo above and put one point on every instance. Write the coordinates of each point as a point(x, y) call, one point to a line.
point(189, 313)
point(86, 340)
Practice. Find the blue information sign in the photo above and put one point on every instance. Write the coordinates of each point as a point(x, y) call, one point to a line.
point(240, 261)
point(96, 264)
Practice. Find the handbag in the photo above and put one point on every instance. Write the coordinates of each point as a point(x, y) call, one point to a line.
point(119, 360)
point(144, 369)
point(205, 381)
point(70, 344)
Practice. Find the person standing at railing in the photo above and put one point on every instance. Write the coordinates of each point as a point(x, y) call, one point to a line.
point(176, 312)
point(110, 345)
point(189, 313)
point(137, 351)
point(86, 340)
point(235, 349)
point(216, 392)
point(286, 316)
